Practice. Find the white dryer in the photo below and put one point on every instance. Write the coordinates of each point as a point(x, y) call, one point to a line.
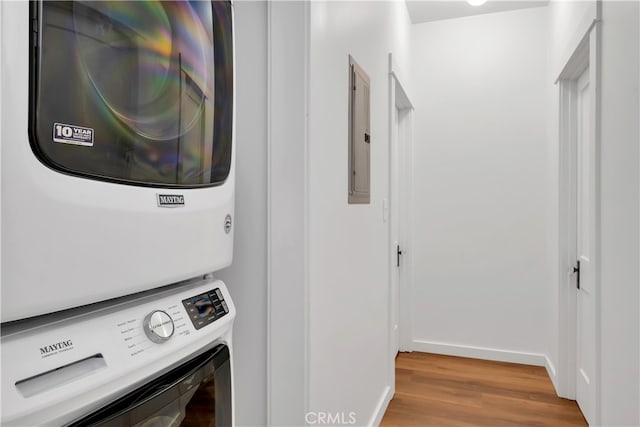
point(162, 359)
point(117, 148)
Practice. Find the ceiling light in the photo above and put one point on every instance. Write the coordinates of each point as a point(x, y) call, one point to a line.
point(476, 2)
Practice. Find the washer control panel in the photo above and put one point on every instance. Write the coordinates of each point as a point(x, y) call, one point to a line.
point(206, 308)
point(158, 326)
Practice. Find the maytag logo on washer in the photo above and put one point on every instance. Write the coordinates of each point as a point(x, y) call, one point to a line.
point(170, 200)
point(52, 349)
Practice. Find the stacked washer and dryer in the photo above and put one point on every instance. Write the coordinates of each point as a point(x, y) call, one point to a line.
point(117, 204)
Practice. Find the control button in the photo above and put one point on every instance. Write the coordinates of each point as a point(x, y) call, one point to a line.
point(219, 293)
point(224, 305)
point(158, 326)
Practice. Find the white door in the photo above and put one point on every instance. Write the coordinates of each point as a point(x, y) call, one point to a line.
point(395, 233)
point(400, 116)
point(585, 276)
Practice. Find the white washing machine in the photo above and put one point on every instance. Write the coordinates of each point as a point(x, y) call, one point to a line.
point(162, 359)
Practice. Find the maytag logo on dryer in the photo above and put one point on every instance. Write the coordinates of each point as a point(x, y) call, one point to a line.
point(59, 347)
point(72, 134)
point(170, 200)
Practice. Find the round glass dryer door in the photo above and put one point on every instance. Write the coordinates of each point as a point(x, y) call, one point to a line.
point(137, 92)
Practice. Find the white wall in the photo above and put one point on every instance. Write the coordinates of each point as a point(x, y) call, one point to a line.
point(348, 258)
point(247, 276)
point(620, 246)
point(481, 176)
point(287, 347)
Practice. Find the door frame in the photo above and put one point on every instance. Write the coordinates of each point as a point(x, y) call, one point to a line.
point(399, 100)
point(585, 55)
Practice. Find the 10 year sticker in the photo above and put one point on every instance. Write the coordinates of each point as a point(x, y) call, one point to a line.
point(71, 134)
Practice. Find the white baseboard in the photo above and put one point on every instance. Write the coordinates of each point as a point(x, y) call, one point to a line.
point(551, 371)
point(381, 408)
point(496, 354)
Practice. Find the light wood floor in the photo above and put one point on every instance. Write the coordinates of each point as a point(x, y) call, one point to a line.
point(441, 391)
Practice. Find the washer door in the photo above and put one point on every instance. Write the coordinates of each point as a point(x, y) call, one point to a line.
point(197, 393)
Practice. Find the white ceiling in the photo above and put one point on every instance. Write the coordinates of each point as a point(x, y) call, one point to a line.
point(432, 10)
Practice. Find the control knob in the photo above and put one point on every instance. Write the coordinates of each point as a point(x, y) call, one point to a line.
point(158, 326)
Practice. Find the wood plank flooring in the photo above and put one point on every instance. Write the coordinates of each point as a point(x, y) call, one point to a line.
point(440, 391)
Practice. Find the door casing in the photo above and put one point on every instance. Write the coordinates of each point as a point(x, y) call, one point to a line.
point(400, 173)
point(585, 56)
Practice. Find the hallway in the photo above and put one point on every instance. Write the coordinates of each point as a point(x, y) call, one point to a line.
point(482, 271)
point(435, 390)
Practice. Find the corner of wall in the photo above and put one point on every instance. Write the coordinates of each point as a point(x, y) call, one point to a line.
point(381, 407)
point(551, 371)
point(619, 212)
point(287, 213)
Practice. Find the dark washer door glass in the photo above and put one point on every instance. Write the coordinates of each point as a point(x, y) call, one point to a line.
point(134, 91)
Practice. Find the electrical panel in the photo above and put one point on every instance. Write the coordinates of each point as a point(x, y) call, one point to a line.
point(359, 134)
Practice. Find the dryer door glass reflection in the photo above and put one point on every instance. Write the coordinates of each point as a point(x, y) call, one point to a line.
point(135, 91)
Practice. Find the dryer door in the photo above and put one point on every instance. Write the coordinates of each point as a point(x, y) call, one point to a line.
point(197, 393)
point(137, 92)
